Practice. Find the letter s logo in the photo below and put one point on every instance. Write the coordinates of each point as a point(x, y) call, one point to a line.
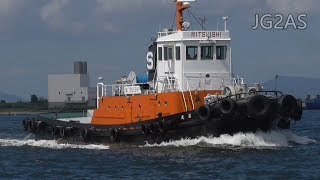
point(150, 62)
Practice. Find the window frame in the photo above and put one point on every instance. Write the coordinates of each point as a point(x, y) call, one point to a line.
point(212, 52)
point(170, 54)
point(178, 53)
point(167, 56)
point(160, 54)
point(222, 47)
point(196, 50)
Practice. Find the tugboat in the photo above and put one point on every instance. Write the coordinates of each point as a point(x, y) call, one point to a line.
point(188, 91)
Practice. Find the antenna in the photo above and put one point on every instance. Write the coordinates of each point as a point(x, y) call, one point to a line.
point(203, 21)
point(225, 18)
point(217, 24)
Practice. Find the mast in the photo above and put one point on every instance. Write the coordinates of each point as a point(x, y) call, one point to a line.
point(181, 6)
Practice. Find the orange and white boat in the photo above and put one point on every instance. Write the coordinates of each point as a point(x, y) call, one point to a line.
point(188, 91)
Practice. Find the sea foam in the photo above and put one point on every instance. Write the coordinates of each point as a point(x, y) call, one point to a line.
point(276, 138)
point(52, 144)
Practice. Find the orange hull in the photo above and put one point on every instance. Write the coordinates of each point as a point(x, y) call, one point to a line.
point(120, 110)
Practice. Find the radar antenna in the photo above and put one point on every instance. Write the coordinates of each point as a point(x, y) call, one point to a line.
point(225, 18)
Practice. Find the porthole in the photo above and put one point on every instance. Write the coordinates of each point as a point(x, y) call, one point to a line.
point(166, 103)
point(159, 103)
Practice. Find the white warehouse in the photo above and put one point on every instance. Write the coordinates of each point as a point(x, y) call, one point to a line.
point(71, 89)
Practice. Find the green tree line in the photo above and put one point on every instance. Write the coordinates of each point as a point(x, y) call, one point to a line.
point(35, 103)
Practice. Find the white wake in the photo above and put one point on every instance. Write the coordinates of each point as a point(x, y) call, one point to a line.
point(52, 144)
point(278, 138)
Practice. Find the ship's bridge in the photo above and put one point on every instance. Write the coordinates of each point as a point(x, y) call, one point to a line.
point(194, 59)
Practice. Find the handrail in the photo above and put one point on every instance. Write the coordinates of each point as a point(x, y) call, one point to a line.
point(184, 98)
point(56, 113)
point(166, 86)
point(188, 87)
point(166, 33)
point(240, 94)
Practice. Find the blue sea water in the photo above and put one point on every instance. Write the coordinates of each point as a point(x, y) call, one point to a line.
point(290, 154)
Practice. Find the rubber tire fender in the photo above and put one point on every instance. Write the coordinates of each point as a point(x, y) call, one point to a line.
point(259, 106)
point(32, 126)
point(114, 135)
point(63, 132)
point(55, 131)
point(160, 127)
point(84, 133)
point(144, 130)
point(227, 106)
point(287, 105)
point(25, 125)
point(204, 113)
point(41, 127)
point(151, 128)
point(298, 112)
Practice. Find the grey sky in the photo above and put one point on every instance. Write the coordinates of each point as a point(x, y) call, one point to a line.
point(41, 37)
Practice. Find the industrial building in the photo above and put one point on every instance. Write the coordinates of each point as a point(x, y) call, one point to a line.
point(71, 89)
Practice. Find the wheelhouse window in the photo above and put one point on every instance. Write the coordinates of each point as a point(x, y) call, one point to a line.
point(221, 52)
point(177, 52)
point(206, 52)
point(192, 52)
point(160, 53)
point(168, 53)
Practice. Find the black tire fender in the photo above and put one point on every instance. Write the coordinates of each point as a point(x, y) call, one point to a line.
point(160, 127)
point(25, 125)
point(84, 133)
point(62, 131)
point(144, 130)
point(32, 126)
point(151, 128)
point(114, 135)
point(258, 106)
point(298, 112)
point(55, 130)
point(287, 105)
point(227, 106)
point(204, 113)
point(41, 126)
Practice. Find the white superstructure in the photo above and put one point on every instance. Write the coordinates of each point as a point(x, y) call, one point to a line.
point(194, 59)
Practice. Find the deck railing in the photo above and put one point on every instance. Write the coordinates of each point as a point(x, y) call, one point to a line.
point(137, 89)
point(165, 33)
